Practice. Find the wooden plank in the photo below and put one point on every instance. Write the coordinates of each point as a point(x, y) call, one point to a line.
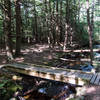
point(27, 65)
point(45, 69)
point(74, 74)
point(39, 69)
point(79, 78)
point(97, 79)
point(73, 77)
point(70, 74)
point(91, 75)
point(93, 78)
point(88, 76)
point(83, 76)
point(72, 60)
point(78, 50)
point(80, 75)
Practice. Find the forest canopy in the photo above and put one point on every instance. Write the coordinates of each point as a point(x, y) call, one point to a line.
point(55, 22)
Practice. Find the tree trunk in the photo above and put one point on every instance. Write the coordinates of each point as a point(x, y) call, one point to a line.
point(35, 23)
point(92, 18)
point(61, 27)
point(89, 32)
point(79, 5)
point(46, 20)
point(57, 23)
point(66, 25)
point(18, 27)
point(50, 36)
point(7, 28)
point(53, 28)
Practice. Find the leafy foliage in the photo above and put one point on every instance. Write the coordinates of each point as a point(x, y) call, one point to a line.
point(40, 19)
point(7, 88)
point(81, 34)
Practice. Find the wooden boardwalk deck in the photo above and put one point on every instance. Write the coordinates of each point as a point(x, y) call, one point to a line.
point(57, 74)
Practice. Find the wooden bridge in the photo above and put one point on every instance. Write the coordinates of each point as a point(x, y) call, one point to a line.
point(56, 74)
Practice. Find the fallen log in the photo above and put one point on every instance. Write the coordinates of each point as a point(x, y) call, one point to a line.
point(78, 50)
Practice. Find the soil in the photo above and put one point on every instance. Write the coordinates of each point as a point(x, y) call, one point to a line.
point(43, 55)
point(39, 54)
point(92, 92)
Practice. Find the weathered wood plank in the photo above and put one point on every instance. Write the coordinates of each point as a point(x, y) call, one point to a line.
point(83, 76)
point(93, 78)
point(71, 76)
point(80, 75)
point(88, 76)
point(43, 66)
point(73, 60)
point(78, 50)
point(97, 79)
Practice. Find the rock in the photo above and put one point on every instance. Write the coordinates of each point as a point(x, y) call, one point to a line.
point(97, 56)
point(81, 91)
point(88, 68)
point(42, 90)
point(12, 99)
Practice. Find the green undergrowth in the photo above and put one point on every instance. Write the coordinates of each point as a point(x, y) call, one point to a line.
point(7, 87)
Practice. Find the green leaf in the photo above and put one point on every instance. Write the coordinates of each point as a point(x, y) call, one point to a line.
point(2, 85)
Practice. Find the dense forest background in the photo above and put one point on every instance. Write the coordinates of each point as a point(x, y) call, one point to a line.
point(62, 34)
point(68, 23)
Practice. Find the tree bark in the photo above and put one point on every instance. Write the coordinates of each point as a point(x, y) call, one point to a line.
point(89, 32)
point(92, 18)
point(50, 36)
point(61, 27)
point(7, 29)
point(36, 37)
point(79, 5)
point(18, 27)
point(57, 23)
point(53, 24)
point(66, 26)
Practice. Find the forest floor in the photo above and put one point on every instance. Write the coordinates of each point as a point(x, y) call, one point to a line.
point(43, 55)
point(31, 54)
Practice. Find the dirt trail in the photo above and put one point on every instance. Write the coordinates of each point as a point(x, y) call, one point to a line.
point(32, 54)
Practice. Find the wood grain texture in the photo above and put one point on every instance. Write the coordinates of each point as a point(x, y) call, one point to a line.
point(93, 78)
point(51, 73)
point(97, 79)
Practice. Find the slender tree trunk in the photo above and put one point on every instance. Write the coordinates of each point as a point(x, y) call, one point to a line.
point(26, 20)
point(18, 27)
point(57, 23)
point(89, 32)
point(50, 23)
point(53, 29)
point(3, 22)
point(7, 26)
point(79, 11)
point(66, 26)
point(26, 15)
point(35, 27)
point(61, 27)
point(46, 20)
point(92, 18)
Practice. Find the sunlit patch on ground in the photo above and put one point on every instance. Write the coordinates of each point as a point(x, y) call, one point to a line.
point(21, 59)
